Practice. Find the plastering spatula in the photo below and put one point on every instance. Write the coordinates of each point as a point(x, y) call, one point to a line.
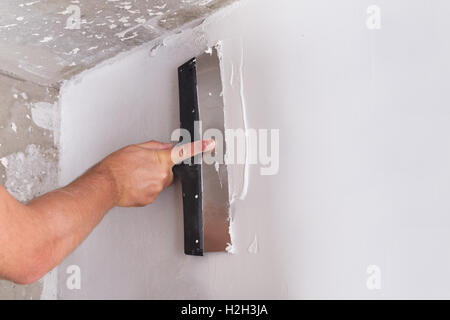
point(204, 186)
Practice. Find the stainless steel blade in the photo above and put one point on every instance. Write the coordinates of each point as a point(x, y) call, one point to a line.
point(214, 176)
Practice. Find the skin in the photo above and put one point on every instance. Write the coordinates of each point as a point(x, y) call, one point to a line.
point(36, 237)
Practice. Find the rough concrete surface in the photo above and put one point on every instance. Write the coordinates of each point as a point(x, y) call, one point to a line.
point(28, 152)
point(46, 40)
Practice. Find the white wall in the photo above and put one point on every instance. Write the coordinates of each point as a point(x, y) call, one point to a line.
point(364, 167)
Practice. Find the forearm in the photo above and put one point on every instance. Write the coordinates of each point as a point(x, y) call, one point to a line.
point(35, 238)
point(56, 223)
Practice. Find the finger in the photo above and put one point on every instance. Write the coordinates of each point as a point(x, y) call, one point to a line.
point(156, 145)
point(169, 179)
point(180, 153)
point(187, 151)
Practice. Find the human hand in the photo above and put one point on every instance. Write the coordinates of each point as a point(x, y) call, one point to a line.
point(140, 172)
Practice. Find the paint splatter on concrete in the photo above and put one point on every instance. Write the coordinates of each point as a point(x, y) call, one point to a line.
point(30, 173)
point(45, 115)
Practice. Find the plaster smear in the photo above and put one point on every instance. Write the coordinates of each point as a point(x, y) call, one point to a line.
point(235, 113)
point(30, 173)
point(230, 247)
point(45, 115)
point(230, 53)
point(143, 104)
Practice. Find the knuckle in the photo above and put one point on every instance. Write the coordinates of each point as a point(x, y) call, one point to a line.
point(141, 203)
point(164, 175)
point(154, 156)
point(156, 189)
point(151, 199)
point(159, 157)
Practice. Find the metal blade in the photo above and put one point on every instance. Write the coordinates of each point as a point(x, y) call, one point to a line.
point(215, 196)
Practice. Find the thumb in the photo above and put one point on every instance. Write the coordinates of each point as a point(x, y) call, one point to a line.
point(155, 145)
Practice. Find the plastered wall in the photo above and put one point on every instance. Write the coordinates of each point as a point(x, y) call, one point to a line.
point(364, 156)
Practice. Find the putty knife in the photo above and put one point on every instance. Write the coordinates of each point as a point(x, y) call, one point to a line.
point(204, 186)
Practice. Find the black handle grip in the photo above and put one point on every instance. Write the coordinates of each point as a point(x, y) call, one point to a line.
point(190, 175)
point(191, 184)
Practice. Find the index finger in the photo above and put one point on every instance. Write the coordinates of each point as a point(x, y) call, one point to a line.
point(180, 153)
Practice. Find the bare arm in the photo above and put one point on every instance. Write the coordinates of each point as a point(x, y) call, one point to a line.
point(34, 238)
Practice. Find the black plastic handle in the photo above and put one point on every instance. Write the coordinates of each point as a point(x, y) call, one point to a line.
point(190, 174)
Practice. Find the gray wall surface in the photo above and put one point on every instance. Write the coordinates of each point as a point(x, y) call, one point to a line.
point(360, 206)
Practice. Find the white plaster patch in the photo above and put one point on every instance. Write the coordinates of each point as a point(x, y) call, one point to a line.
point(132, 36)
point(4, 162)
point(140, 20)
point(30, 173)
point(230, 247)
point(74, 51)
point(29, 3)
point(44, 115)
point(230, 54)
point(46, 39)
